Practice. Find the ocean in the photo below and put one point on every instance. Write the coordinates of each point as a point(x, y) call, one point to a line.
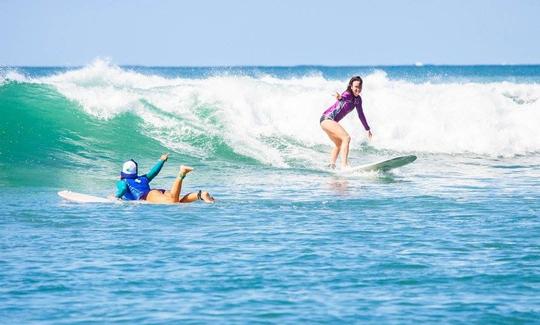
point(452, 238)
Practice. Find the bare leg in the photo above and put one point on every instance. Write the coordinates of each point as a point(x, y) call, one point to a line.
point(344, 149)
point(204, 196)
point(341, 139)
point(188, 198)
point(156, 196)
point(334, 154)
point(177, 185)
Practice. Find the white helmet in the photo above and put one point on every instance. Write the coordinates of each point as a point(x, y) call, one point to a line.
point(129, 167)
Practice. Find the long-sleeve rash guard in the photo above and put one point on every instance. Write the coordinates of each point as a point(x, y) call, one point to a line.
point(344, 106)
point(122, 187)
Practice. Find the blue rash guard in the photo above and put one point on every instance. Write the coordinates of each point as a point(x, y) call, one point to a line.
point(137, 188)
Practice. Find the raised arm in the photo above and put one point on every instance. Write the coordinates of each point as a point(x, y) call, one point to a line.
point(157, 167)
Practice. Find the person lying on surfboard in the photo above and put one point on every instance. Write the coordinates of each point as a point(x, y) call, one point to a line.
point(345, 103)
point(131, 186)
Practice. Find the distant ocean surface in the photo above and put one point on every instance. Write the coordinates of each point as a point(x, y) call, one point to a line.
point(452, 238)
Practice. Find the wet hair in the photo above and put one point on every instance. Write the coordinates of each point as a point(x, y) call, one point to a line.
point(353, 79)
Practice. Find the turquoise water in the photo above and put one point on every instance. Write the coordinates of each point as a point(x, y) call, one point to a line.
point(453, 237)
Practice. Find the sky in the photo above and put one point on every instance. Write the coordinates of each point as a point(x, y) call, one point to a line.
point(269, 33)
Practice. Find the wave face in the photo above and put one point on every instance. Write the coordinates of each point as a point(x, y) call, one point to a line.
point(102, 112)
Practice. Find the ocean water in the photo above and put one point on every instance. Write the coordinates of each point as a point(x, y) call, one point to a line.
point(452, 238)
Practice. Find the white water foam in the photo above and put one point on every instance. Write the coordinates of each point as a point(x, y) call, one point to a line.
point(8, 74)
point(276, 121)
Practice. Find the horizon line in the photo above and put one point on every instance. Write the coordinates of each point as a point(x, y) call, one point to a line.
point(416, 65)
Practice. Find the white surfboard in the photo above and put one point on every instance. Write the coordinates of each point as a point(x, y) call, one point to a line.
point(383, 165)
point(85, 198)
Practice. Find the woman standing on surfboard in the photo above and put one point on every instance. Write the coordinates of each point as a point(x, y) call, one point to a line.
point(345, 103)
point(132, 186)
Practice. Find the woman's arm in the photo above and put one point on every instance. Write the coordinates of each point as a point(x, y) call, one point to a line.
point(157, 167)
point(363, 119)
point(121, 189)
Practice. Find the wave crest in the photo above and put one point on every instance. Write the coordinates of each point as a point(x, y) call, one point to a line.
point(275, 120)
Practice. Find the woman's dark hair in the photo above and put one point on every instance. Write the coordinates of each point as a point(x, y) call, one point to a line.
point(353, 79)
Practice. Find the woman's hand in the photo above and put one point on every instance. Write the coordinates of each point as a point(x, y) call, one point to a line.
point(337, 95)
point(164, 157)
point(369, 134)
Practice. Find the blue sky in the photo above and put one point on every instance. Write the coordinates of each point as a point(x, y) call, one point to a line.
point(281, 32)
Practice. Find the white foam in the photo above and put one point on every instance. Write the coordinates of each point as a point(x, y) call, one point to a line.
point(277, 120)
point(11, 74)
point(454, 117)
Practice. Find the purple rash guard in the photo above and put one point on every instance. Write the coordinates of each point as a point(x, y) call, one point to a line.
point(344, 106)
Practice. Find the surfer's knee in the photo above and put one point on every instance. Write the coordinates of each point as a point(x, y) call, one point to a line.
point(346, 139)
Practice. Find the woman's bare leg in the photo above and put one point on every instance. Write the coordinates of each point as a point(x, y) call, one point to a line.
point(335, 140)
point(173, 195)
point(344, 150)
point(177, 185)
point(335, 153)
point(206, 197)
point(191, 197)
point(188, 198)
point(341, 139)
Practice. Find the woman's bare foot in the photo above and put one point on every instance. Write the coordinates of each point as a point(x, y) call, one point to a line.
point(206, 197)
point(184, 170)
